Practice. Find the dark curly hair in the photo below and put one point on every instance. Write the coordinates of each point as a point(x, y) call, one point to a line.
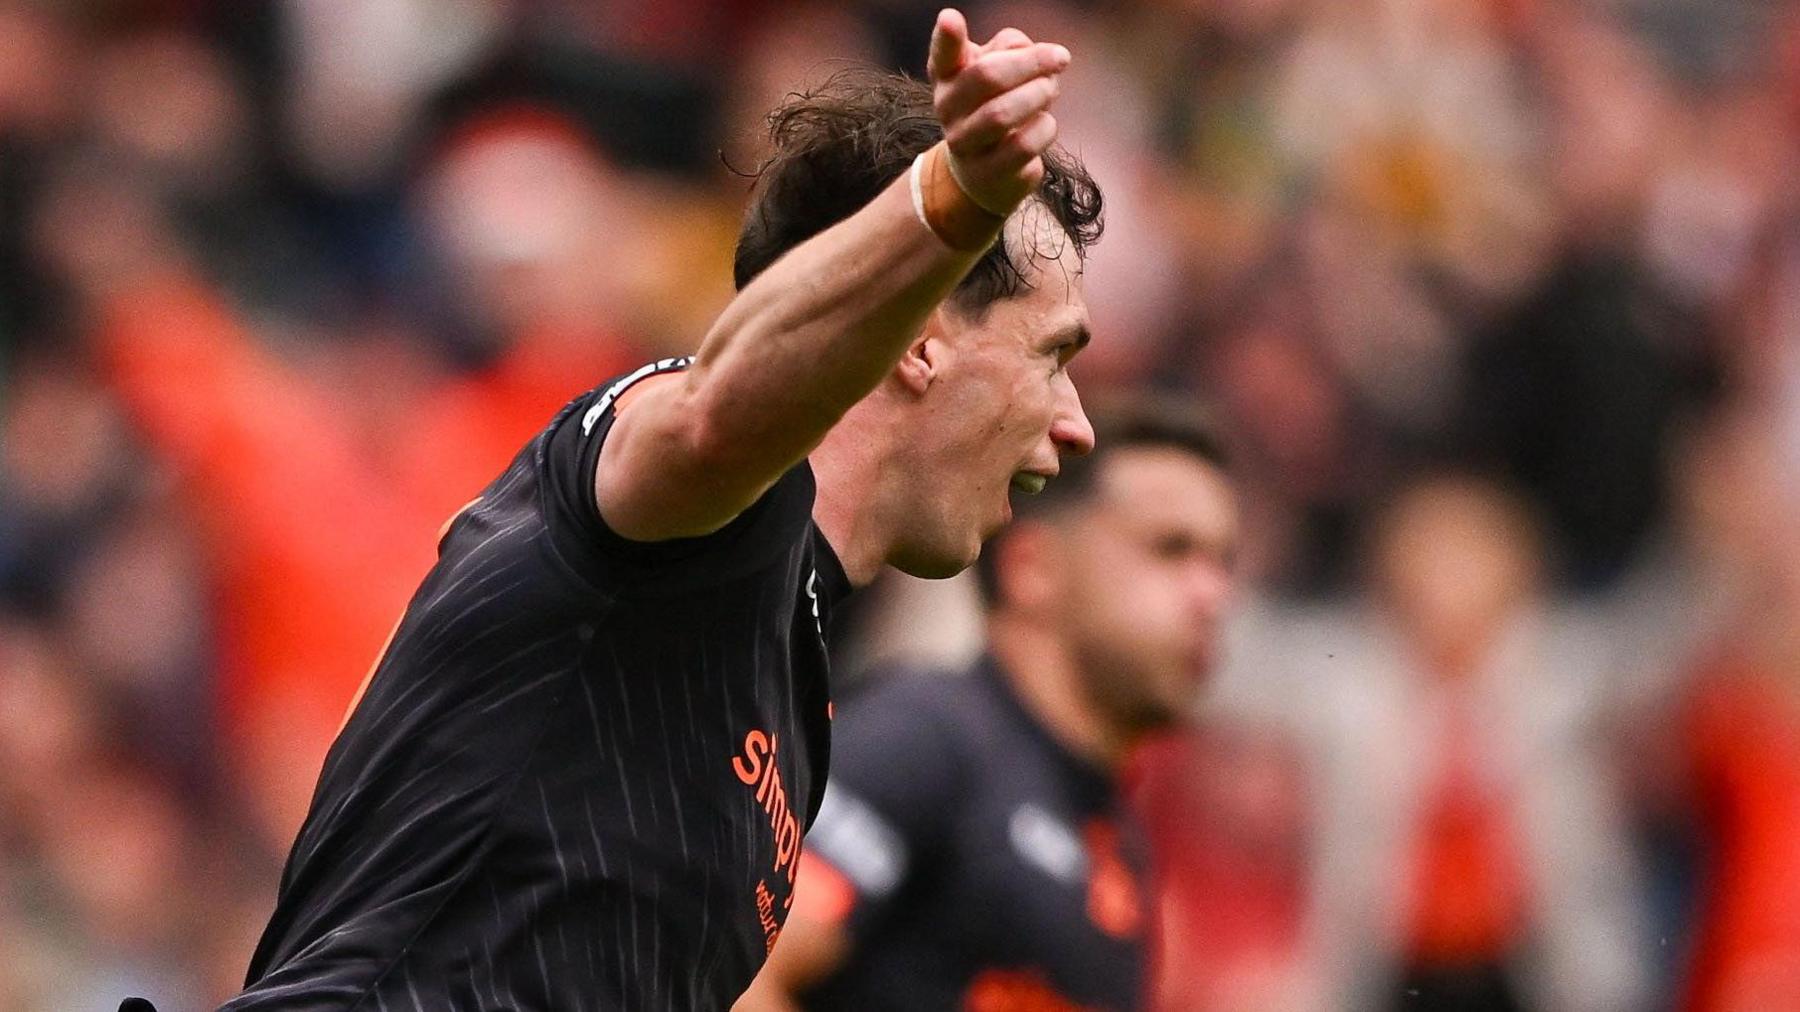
point(837, 145)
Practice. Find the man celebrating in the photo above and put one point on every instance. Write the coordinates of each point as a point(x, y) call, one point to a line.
point(579, 775)
point(972, 851)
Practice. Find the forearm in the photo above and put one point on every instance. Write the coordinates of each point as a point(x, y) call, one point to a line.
point(819, 329)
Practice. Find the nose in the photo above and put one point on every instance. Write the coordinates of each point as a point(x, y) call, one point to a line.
point(1070, 430)
point(1208, 587)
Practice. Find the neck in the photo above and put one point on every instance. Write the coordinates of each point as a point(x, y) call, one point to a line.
point(852, 467)
point(1044, 675)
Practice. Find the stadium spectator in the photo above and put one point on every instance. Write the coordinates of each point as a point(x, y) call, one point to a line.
point(1225, 806)
point(1469, 842)
point(319, 489)
point(1733, 758)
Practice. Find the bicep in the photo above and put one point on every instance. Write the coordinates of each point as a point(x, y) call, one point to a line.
point(596, 494)
point(660, 474)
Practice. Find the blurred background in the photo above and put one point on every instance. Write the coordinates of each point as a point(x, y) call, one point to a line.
point(1500, 299)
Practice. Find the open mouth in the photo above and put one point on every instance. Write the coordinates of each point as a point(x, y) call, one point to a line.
point(1029, 483)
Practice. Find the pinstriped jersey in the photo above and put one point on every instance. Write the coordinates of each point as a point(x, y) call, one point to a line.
point(972, 860)
point(580, 774)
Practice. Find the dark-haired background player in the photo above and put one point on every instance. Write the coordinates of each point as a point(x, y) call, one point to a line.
point(973, 851)
point(579, 775)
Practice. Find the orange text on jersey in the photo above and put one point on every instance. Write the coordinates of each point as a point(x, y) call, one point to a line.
point(757, 767)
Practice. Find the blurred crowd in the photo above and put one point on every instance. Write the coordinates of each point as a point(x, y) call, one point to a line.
point(1500, 300)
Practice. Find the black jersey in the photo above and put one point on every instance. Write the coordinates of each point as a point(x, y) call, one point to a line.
point(972, 860)
point(579, 776)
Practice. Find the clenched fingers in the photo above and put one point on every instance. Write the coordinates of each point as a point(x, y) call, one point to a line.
point(993, 74)
point(987, 125)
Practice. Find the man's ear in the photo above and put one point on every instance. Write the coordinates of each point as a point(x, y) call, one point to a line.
point(924, 359)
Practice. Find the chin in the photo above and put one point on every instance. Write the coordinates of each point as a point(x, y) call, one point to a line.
point(937, 564)
point(1153, 717)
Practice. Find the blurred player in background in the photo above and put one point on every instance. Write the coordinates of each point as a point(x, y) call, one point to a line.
point(974, 850)
point(580, 773)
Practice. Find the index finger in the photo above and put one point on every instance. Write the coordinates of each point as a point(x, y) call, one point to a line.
point(949, 44)
point(996, 73)
point(1005, 38)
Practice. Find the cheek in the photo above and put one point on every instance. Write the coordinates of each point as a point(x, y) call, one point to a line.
point(1111, 602)
point(1024, 419)
point(1140, 606)
point(992, 408)
point(1023, 386)
point(1036, 397)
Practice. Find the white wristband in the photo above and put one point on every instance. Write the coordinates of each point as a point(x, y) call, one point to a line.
point(946, 208)
point(918, 191)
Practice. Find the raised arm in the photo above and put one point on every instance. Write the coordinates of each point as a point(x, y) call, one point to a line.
point(821, 327)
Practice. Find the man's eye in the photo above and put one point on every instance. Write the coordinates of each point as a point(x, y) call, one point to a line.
point(1173, 546)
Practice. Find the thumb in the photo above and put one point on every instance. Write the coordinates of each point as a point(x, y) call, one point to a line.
point(949, 45)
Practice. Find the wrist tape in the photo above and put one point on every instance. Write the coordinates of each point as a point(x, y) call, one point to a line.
point(946, 208)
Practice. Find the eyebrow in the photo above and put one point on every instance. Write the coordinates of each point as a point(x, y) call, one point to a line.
point(1076, 333)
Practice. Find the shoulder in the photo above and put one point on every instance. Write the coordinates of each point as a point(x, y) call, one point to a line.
point(567, 455)
point(899, 764)
point(942, 703)
point(916, 731)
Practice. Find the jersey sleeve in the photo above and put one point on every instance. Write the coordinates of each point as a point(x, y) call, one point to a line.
point(567, 458)
point(888, 806)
